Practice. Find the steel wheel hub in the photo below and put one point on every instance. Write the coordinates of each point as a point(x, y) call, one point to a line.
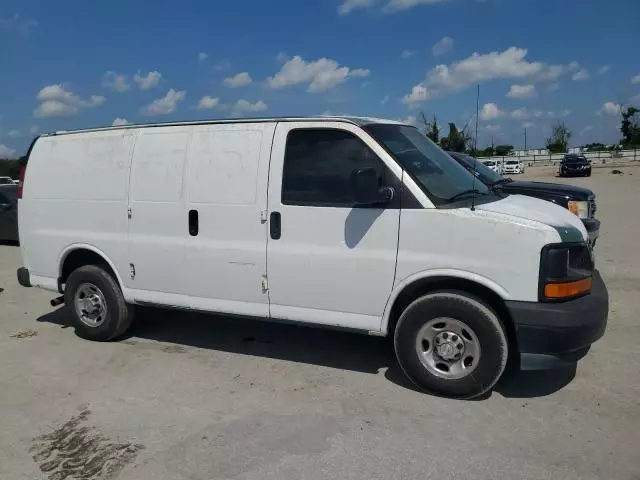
point(90, 305)
point(448, 348)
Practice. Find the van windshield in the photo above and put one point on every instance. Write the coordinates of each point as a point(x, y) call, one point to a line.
point(440, 176)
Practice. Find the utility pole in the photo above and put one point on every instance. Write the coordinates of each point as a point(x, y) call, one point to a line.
point(525, 140)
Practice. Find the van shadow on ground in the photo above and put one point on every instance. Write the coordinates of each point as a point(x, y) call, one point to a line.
point(295, 343)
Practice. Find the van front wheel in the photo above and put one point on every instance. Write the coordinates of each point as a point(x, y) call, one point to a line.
point(452, 344)
point(96, 304)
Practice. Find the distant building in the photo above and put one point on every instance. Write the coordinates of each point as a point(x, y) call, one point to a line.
point(530, 152)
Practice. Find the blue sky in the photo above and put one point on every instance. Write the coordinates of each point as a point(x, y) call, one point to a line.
point(75, 64)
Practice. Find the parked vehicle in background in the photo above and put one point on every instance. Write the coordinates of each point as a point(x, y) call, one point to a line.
point(512, 167)
point(578, 200)
point(574, 165)
point(493, 165)
point(299, 219)
point(8, 213)
point(7, 181)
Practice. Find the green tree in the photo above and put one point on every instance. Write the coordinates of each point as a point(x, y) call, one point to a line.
point(431, 127)
point(630, 127)
point(503, 150)
point(558, 142)
point(457, 140)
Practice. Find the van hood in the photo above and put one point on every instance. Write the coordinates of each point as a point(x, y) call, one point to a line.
point(569, 226)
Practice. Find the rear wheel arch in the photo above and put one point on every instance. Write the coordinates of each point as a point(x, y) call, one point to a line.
point(76, 256)
point(422, 286)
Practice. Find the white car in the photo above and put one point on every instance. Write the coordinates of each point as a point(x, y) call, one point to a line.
point(493, 165)
point(355, 223)
point(512, 167)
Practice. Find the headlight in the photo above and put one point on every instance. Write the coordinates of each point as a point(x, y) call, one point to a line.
point(565, 271)
point(579, 208)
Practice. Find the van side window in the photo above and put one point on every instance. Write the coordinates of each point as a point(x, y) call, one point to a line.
point(318, 164)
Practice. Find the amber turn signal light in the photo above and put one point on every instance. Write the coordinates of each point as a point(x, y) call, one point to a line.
point(568, 289)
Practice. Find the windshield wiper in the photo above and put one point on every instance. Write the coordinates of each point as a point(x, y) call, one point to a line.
point(501, 181)
point(458, 196)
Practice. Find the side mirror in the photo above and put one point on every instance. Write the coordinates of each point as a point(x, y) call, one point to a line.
point(365, 188)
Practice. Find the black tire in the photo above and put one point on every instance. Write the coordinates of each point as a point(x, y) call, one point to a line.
point(119, 314)
point(472, 312)
point(588, 174)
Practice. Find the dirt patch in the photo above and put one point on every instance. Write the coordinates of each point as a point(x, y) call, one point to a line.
point(76, 451)
point(24, 333)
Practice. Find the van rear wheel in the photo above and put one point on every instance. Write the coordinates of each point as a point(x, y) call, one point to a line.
point(96, 304)
point(452, 344)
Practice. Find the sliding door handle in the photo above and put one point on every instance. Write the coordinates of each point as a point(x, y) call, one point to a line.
point(275, 228)
point(194, 224)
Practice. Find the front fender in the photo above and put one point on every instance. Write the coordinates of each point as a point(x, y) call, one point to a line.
point(498, 289)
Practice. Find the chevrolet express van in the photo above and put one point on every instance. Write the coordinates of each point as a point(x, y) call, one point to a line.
point(355, 223)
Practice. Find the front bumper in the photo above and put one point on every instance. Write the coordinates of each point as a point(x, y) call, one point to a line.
point(552, 334)
point(593, 230)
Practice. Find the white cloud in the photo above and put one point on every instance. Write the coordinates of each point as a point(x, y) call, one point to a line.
point(492, 128)
point(222, 65)
point(604, 69)
point(321, 75)
point(610, 108)
point(148, 81)
point(14, 133)
point(118, 122)
point(384, 100)
point(348, 6)
point(522, 91)
point(444, 45)
point(586, 130)
point(635, 98)
point(164, 105)
point(238, 80)
point(479, 68)
point(635, 79)
point(419, 93)
point(34, 129)
point(395, 5)
point(115, 81)
point(490, 111)
point(407, 53)
point(282, 57)
point(207, 102)
point(520, 114)
point(242, 106)
point(581, 75)
point(528, 125)
point(564, 113)
point(6, 152)
point(55, 101)
point(17, 25)
point(553, 87)
point(202, 57)
point(538, 113)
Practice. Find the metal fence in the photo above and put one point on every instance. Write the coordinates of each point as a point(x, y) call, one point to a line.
point(552, 159)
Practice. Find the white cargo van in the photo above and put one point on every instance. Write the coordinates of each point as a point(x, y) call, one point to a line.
point(352, 223)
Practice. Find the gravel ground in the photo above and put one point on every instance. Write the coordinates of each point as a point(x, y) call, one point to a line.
point(207, 397)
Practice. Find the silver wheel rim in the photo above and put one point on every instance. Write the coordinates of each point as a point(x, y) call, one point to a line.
point(90, 305)
point(448, 348)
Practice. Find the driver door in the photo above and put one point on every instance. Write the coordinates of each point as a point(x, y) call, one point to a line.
point(329, 261)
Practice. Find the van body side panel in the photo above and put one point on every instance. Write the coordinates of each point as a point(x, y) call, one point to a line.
point(75, 192)
point(158, 228)
point(227, 186)
point(331, 265)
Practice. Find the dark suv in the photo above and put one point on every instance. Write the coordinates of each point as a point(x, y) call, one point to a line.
point(573, 165)
point(578, 200)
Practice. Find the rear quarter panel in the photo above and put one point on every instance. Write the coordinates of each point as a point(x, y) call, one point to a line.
point(75, 192)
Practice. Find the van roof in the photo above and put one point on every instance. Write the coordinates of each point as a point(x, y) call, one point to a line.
point(360, 121)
